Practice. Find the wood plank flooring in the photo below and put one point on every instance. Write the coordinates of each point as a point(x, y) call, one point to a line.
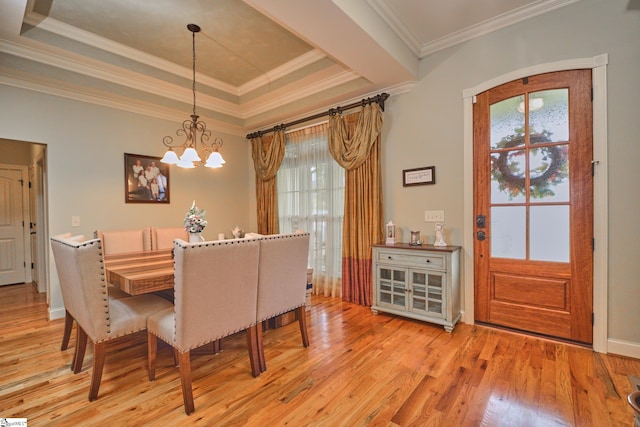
point(360, 370)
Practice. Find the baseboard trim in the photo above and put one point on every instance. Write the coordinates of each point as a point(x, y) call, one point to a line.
point(623, 348)
point(56, 313)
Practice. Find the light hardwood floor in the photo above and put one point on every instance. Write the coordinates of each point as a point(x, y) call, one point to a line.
point(360, 369)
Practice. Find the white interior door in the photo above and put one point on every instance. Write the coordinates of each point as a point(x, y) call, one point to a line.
point(12, 240)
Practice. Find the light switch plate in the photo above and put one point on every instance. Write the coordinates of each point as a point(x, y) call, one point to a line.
point(434, 216)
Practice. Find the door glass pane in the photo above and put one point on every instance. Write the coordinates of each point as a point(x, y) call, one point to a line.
point(549, 173)
point(506, 123)
point(549, 115)
point(549, 233)
point(508, 176)
point(508, 232)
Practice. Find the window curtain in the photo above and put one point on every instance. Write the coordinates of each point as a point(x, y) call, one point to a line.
point(354, 142)
point(267, 153)
point(311, 198)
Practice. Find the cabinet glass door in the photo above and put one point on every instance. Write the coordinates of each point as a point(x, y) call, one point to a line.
point(393, 285)
point(427, 293)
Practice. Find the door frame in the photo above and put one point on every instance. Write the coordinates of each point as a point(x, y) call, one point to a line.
point(598, 65)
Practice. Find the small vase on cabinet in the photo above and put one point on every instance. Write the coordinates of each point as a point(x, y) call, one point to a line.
point(196, 238)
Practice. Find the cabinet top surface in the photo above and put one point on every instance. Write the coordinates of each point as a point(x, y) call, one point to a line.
point(418, 247)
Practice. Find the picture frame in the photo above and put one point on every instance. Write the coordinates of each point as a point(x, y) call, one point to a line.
point(419, 176)
point(146, 180)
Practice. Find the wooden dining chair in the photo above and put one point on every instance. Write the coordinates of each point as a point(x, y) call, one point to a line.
point(121, 241)
point(282, 282)
point(114, 293)
point(85, 295)
point(215, 296)
point(163, 237)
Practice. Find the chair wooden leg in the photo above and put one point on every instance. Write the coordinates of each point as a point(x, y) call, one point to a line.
point(152, 354)
point(81, 346)
point(252, 344)
point(185, 381)
point(68, 325)
point(301, 314)
point(261, 360)
point(176, 358)
point(99, 350)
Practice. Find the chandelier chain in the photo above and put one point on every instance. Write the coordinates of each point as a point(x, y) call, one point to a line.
point(193, 34)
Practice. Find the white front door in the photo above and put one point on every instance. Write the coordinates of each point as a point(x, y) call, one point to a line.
point(12, 244)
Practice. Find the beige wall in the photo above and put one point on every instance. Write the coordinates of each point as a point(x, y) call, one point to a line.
point(425, 127)
point(85, 153)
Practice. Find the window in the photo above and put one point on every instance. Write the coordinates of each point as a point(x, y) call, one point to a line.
point(311, 198)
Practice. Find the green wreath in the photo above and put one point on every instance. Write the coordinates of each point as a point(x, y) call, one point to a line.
point(552, 171)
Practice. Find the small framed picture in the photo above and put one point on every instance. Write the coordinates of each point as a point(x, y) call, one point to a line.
point(419, 176)
point(146, 180)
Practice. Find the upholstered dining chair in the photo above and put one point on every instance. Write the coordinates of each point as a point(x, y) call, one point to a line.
point(85, 295)
point(282, 279)
point(121, 241)
point(163, 237)
point(215, 296)
point(114, 293)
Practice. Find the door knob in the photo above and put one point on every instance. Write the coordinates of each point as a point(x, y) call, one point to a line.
point(481, 235)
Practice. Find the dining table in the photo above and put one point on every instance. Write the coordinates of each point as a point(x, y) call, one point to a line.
point(142, 272)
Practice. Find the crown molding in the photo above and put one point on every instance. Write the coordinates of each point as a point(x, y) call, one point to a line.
point(109, 73)
point(104, 99)
point(388, 15)
point(281, 71)
point(493, 24)
point(33, 51)
point(276, 101)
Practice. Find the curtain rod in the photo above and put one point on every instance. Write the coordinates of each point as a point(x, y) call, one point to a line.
point(338, 110)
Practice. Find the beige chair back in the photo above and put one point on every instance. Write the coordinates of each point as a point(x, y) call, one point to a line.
point(121, 241)
point(282, 274)
point(163, 237)
point(215, 290)
point(82, 283)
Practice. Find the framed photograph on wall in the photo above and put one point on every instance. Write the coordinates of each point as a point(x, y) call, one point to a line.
point(146, 180)
point(419, 176)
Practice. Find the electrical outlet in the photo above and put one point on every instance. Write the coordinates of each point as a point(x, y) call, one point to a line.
point(75, 221)
point(434, 216)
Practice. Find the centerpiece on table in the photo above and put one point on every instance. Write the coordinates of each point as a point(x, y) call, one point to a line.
point(194, 223)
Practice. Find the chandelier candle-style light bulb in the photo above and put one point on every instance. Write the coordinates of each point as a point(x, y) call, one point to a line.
point(190, 130)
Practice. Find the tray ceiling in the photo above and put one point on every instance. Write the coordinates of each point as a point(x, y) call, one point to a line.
point(259, 62)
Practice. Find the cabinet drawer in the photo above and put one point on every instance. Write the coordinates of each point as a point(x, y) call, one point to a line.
point(417, 260)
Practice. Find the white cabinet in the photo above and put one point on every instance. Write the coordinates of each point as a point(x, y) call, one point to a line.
point(420, 282)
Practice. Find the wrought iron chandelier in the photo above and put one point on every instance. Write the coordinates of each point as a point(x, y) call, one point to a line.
point(190, 129)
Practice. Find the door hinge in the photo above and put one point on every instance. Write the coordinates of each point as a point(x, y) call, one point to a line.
point(593, 166)
point(593, 318)
point(32, 265)
point(29, 184)
point(593, 244)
